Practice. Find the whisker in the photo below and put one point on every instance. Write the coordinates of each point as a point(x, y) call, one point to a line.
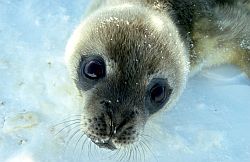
point(134, 153)
point(136, 147)
point(125, 154)
point(66, 127)
point(83, 143)
point(130, 150)
point(143, 150)
point(78, 141)
point(149, 150)
point(121, 156)
point(72, 128)
point(145, 139)
point(150, 137)
point(89, 150)
point(76, 116)
point(73, 116)
point(74, 153)
point(79, 153)
point(72, 136)
point(113, 154)
point(91, 154)
point(95, 150)
point(117, 155)
point(67, 121)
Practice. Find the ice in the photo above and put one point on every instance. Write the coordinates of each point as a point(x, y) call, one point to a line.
point(210, 122)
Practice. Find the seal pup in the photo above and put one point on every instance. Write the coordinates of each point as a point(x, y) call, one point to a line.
point(130, 59)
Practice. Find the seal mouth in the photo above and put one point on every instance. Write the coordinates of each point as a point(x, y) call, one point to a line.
point(108, 144)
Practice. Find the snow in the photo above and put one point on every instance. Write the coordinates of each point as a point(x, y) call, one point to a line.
point(210, 122)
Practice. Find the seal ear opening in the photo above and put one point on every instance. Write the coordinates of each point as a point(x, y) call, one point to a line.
point(157, 95)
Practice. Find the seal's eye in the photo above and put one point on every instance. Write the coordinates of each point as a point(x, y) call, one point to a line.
point(158, 93)
point(93, 69)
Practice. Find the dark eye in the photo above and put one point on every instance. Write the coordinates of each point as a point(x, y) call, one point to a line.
point(158, 93)
point(93, 69)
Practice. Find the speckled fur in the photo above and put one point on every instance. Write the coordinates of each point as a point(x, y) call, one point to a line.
point(145, 39)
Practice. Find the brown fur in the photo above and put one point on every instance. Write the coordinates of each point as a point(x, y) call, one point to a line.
point(145, 40)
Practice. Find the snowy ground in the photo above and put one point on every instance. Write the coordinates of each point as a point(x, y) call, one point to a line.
point(210, 123)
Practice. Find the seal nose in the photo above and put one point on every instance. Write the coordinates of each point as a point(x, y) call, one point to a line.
point(110, 113)
point(116, 123)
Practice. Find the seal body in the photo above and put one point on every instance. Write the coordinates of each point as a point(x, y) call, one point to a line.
point(130, 59)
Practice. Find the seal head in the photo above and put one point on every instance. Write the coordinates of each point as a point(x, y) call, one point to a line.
point(128, 63)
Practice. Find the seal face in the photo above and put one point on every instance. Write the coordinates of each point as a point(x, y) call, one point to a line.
point(127, 64)
point(128, 60)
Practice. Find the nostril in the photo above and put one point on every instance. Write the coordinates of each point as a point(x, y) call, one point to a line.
point(108, 108)
point(126, 119)
point(109, 111)
point(106, 103)
point(122, 124)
